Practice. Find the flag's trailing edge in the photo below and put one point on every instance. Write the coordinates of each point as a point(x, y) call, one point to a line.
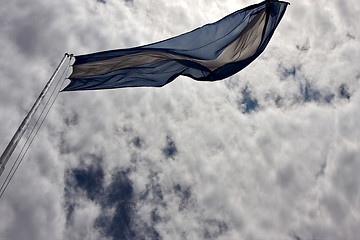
point(209, 53)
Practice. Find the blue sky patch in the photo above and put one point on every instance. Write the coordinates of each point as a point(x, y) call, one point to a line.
point(170, 150)
point(248, 103)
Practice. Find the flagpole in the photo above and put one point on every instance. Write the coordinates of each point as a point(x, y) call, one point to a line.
point(25, 123)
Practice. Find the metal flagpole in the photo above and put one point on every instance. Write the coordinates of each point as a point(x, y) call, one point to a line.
point(23, 126)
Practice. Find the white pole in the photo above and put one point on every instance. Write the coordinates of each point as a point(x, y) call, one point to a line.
point(23, 126)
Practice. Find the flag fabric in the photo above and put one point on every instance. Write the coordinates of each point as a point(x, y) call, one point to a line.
point(209, 53)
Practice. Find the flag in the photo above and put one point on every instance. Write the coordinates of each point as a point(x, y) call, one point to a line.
point(209, 53)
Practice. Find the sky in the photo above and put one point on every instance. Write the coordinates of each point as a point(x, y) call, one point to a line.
point(271, 152)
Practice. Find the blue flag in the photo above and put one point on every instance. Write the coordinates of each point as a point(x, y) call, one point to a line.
point(209, 53)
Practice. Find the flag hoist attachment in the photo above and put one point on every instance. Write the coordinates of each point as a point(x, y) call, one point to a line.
point(29, 118)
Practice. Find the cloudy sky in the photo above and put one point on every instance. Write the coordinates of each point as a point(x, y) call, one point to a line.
point(272, 152)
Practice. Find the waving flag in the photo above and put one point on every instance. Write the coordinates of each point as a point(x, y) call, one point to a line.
point(209, 53)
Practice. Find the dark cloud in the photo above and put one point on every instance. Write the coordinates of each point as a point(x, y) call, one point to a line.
point(184, 193)
point(72, 119)
point(214, 229)
point(278, 101)
point(350, 36)
point(294, 236)
point(329, 97)
point(322, 170)
point(153, 192)
point(286, 176)
point(305, 47)
point(33, 26)
point(155, 217)
point(138, 142)
point(344, 91)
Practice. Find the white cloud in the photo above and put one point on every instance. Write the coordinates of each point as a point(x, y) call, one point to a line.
point(286, 170)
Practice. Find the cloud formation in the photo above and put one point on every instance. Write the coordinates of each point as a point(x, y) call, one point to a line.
point(269, 153)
